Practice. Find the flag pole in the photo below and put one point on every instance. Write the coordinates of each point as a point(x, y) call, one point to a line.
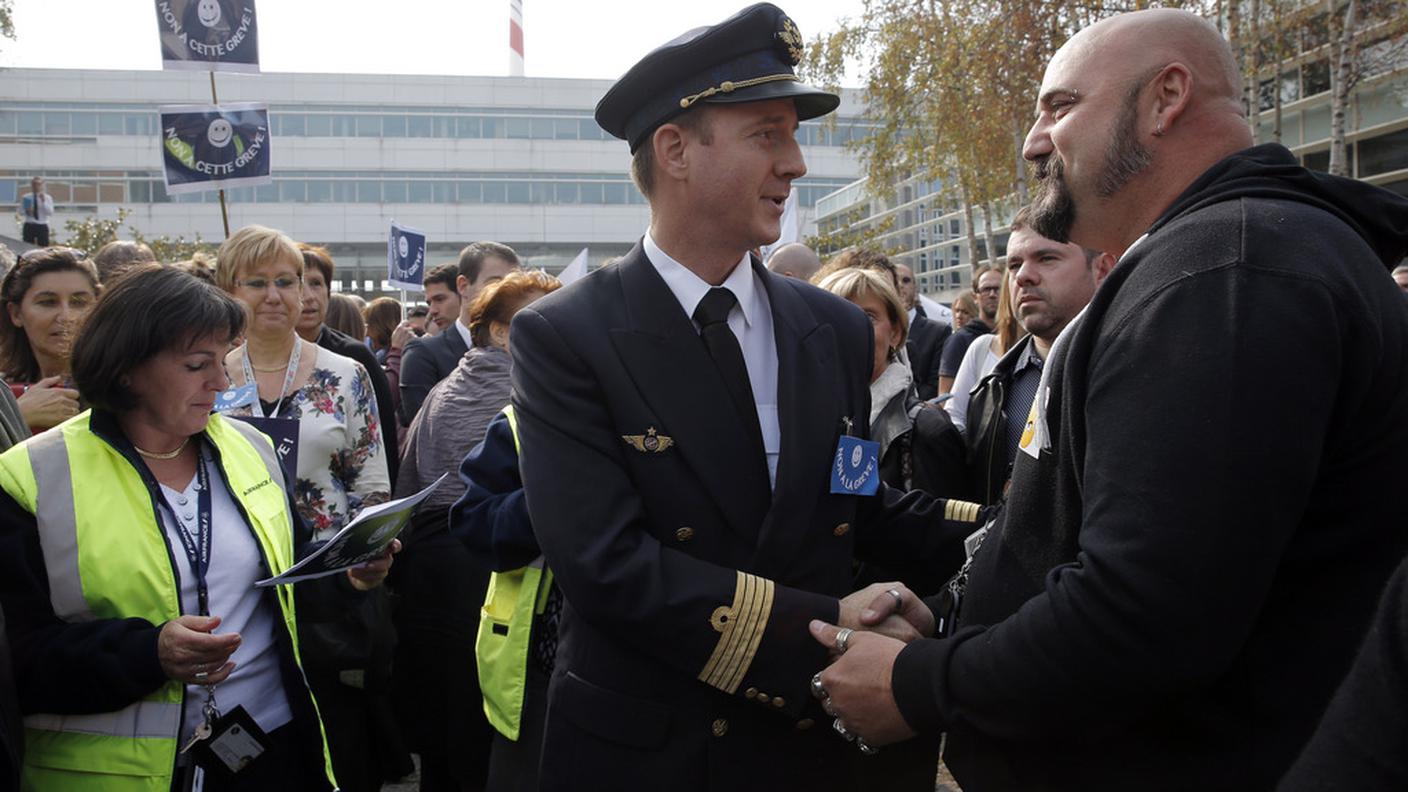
point(224, 212)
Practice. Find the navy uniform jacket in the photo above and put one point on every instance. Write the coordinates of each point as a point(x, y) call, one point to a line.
point(426, 361)
point(685, 656)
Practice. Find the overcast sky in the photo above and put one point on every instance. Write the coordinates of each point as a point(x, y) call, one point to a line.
point(563, 38)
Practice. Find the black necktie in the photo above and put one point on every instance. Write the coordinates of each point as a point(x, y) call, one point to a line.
point(712, 316)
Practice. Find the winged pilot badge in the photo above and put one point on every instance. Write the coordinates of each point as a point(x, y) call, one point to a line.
point(649, 443)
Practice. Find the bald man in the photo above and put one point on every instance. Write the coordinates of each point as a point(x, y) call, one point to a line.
point(794, 260)
point(1207, 498)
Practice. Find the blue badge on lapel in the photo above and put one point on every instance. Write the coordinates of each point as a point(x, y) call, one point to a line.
point(236, 397)
point(856, 469)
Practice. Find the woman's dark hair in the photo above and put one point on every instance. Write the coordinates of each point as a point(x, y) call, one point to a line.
point(345, 317)
point(318, 258)
point(383, 314)
point(17, 359)
point(150, 310)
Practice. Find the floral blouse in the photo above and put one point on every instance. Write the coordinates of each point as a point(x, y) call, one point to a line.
point(341, 458)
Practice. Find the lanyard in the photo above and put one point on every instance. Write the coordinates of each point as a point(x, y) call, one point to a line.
point(289, 374)
point(197, 547)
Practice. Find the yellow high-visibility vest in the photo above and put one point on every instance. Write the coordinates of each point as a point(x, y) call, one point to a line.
point(106, 557)
point(505, 626)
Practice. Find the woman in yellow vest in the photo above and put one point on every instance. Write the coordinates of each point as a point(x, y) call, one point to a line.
point(131, 537)
point(516, 646)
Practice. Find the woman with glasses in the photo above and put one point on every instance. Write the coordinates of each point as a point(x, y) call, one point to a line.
point(47, 294)
point(326, 402)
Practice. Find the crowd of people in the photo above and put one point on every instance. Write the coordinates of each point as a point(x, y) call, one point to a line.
point(1118, 517)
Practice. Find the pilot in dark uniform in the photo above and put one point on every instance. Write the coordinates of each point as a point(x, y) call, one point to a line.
point(680, 415)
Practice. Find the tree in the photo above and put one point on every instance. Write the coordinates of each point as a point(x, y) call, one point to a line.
point(1367, 38)
point(7, 19)
point(951, 86)
point(91, 233)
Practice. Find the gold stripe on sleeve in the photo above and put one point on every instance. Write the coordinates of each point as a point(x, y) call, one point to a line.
point(740, 626)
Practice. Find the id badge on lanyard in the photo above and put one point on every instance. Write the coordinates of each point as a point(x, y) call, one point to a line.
point(222, 744)
point(283, 431)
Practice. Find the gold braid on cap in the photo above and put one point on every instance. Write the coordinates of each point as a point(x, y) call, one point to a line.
point(729, 86)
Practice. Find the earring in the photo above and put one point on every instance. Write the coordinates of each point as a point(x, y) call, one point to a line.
point(1159, 130)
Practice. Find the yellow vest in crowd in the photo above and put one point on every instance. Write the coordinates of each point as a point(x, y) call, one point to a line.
point(505, 625)
point(100, 568)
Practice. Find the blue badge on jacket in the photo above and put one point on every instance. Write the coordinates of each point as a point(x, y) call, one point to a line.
point(856, 469)
point(236, 397)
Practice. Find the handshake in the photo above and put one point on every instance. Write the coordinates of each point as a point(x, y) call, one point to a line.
point(875, 623)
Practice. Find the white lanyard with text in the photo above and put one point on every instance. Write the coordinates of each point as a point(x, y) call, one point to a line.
point(289, 374)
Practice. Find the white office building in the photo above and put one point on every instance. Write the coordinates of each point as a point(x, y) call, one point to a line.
point(511, 159)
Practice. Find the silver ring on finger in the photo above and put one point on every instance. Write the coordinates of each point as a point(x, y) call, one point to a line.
point(828, 707)
point(817, 690)
point(842, 730)
point(865, 748)
point(200, 676)
point(843, 639)
point(899, 598)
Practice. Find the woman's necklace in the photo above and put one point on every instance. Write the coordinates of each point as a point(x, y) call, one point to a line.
point(271, 369)
point(164, 454)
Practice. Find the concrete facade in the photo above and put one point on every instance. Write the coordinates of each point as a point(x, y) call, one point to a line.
point(516, 160)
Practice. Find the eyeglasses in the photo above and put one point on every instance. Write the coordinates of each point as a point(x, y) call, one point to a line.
point(259, 284)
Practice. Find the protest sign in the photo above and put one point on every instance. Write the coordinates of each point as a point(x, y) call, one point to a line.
point(210, 147)
point(405, 258)
point(208, 35)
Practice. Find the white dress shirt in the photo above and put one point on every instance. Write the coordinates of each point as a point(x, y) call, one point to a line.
point(464, 333)
point(235, 564)
point(751, 323)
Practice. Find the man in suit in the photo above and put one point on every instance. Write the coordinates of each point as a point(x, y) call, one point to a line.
point(680, 412)
point(427, 360)
point(926, 337)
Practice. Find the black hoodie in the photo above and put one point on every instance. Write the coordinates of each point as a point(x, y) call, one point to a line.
point(1182, 575)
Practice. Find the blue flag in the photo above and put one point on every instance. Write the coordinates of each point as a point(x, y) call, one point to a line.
point(208, 35)
point(405, 258)
point(206, 147)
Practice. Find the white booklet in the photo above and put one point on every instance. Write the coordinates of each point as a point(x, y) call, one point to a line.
point(359, 541)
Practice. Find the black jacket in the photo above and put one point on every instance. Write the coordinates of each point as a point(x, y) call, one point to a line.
point(1359, 745)
point(989, 465)
point(951, 357)
point(925, 345)
point(347, 346)
point(426, 361)
point(668, 554)
point(1181, 579)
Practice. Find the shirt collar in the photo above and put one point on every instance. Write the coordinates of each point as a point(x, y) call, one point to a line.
point(464, 333)
point(690, 289)
point(1031, 358)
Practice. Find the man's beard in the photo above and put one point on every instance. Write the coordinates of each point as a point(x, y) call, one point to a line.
point(1054, 209)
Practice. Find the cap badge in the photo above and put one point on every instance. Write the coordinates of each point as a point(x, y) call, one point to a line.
point(791, 41)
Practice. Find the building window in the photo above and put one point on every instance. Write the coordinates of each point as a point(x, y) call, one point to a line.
point(1382, 154)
